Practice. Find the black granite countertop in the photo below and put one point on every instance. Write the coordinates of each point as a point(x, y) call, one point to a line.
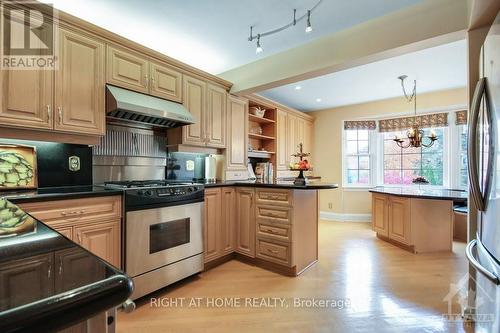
point(275, 184)
point(57, 193)
point(61, 283)
point(423, 192)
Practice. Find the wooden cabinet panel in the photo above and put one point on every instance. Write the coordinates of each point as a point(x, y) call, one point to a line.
point(237, 129)
point(32, 275)
point(59, 213)
point(66, 231)
point(274, 213)
point(195, 102)
point(166, 82)
point(399, 219)
point(291, 147)
point(26, 96)
point(75, 268)
point(281, 137)
point(245, 222)
point(79, 85)
point(274, 197)
point(273, 251)
point(379, 214)
point(127, 69)
point(212, 223)
point(228, 220)
point(102, 239)
point(272, 230)
point(308, 139)
point(216, 117)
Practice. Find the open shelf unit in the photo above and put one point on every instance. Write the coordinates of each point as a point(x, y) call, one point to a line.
point(262, 133)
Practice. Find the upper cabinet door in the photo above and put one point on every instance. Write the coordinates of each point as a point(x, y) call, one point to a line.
point(237, 133)
point(291, 132)
point(282, 140)
point(195, 101)
point(80, 85)
point(127, 69)
point(216, 117)
point(166, 83)
point(26, 97)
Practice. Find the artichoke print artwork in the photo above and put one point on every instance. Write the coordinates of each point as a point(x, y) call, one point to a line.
point(13, 220)
point(17, 167)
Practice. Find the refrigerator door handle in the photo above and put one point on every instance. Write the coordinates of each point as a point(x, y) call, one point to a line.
point(472, 145)
point(477, 265)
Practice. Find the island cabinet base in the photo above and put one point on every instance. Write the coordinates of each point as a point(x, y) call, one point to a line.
point(276, 229)
point(416, 225)
point(104, 322)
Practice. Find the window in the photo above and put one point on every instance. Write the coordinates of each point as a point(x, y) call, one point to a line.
point(402, 165)
point(463, 172)
point(357, 157)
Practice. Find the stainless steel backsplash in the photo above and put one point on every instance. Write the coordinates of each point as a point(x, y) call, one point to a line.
point(129, 153)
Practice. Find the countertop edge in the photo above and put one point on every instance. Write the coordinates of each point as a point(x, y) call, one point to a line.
point(417, 196)
point(273, 185)
point(20, 198)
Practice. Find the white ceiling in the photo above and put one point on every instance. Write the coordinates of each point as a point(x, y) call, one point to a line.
point(438, 68)
point(212, 34)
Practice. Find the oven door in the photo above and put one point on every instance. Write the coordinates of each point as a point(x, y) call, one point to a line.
point(161, 236)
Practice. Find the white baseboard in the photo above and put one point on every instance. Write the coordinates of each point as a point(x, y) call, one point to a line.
point(330, 216)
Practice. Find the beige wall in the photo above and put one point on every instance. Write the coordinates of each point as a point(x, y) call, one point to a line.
point(327, 153)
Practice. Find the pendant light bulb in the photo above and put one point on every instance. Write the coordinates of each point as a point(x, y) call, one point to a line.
point(309, 26)
point(259, 48)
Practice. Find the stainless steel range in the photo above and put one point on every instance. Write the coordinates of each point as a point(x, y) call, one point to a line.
point(163, 232)
point(163, 227)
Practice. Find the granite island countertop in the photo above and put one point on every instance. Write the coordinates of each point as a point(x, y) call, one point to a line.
point(62, 284)
point(422, 192)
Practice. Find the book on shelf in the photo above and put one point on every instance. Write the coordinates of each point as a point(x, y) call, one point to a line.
point(264, 171)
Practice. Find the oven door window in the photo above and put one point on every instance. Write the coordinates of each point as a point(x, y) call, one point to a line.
point(166, 235)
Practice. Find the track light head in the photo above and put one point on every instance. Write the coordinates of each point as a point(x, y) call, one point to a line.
point(259, 48)
point(309, 26)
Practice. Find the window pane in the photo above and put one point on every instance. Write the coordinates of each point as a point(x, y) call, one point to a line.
point(352, 176)
point(364, 176)
point(352, 162)
point(351, 135)
point(363, 147)
point(411, 161)
point(390, 147)
point(363, 135)
point(392, 177)
point(435, 177)
point(463, 178)
point(364, 162)
point(352, 147)
point(392, 162)
point(409, 175)
point(432, 161)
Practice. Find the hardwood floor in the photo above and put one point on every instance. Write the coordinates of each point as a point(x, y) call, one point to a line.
point(389, 290)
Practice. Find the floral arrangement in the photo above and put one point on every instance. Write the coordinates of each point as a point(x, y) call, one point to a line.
point(420, 180)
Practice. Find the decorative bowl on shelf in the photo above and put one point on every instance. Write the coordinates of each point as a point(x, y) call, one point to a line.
point(257, 111)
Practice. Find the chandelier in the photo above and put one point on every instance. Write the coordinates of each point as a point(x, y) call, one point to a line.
point(415, 135)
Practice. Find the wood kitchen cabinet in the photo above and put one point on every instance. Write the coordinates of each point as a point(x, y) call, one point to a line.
point(245, 221)
point(219, 222)
point(79, 84)
point(31, 277)
point(195, 92)
point(94, 223)
point(282, 159)
point(134, 71)
point(380, 222)
point(67, 100)
point(418, 225)
point(237, 129)
point(212, 224)
point(215, 118)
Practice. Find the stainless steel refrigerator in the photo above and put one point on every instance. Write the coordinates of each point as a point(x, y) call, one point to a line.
point(484, 176)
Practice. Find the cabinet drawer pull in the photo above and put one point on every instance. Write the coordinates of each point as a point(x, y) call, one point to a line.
point(59, 110)
point(60, 265)
point(74, 212)
point(270, 230)
point(49, 272)
point(79, 236)
point(272, 251)
point(146, 80)
point(49, 114)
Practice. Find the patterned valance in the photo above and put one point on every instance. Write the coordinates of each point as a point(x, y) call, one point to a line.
point(425, 121)
point(461, 117)
point(360, 124)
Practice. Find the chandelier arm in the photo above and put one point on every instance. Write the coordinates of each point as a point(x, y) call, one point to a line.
point(286, 26)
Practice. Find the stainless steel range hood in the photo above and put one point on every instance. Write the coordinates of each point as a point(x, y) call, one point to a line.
point(130, 106)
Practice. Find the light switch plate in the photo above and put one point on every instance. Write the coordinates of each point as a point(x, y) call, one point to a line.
point(74, 163)
point(189, 165)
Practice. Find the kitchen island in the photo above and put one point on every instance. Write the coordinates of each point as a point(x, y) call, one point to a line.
point(417, 219)
point(272, 225)
point(48, 283)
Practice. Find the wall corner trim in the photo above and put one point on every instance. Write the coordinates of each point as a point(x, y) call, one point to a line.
point(339, 217)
